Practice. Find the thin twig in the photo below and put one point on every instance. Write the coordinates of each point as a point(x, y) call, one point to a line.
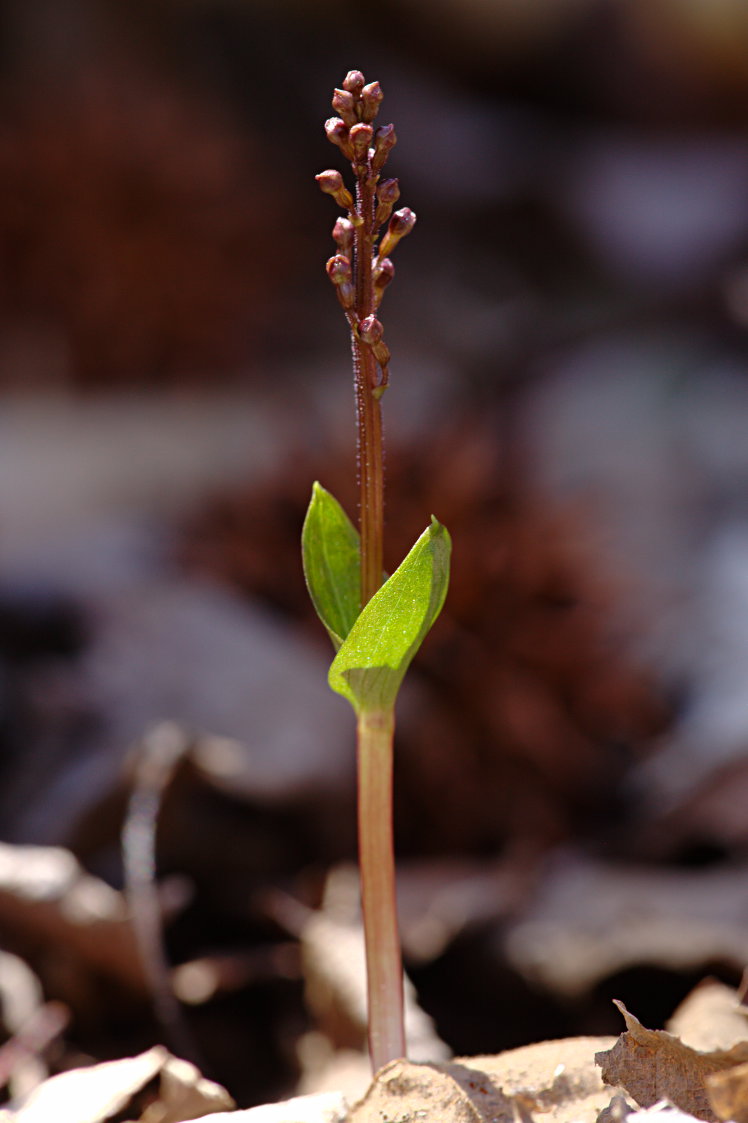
point(159, 754)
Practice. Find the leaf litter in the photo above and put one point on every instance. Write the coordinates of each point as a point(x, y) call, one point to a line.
point(654, 1066)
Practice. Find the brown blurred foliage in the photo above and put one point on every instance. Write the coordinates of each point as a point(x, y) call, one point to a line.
point(140, 239)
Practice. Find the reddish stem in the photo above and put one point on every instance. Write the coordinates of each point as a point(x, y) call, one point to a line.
point(368, 409)
point(384, 970)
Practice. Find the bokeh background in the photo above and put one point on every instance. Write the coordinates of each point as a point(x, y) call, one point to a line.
point(569, 395)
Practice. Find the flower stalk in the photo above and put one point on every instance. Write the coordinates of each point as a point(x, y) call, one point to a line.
point(360, 272)
point(376, 626)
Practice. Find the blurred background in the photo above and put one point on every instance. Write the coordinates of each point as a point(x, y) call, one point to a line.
point(569, 328)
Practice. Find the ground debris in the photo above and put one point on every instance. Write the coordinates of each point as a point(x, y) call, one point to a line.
point(556, 1079)
point(653, 1065)
point(728, 1093)
point(154, 1087)
point(710, 1017)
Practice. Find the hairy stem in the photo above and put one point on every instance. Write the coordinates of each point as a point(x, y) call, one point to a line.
point(368, 409)
point(384, 969)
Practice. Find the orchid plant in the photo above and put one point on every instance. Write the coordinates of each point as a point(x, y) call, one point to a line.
point(376, 623)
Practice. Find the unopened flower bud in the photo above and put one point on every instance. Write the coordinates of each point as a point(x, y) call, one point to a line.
point(336, 131)
point(384, 271)
point(331, 182)
point(384, 141)
point(361, 137)
point(338, 269)
point(340, 273)
point(344, 104)
point(401, 223)
point(371, 330)
point(343, 234)
point(371, 99)
point(388, 192)
point(354, 82)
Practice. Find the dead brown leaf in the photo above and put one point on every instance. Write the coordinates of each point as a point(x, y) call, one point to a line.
point(92, 1095)
point(653, 1065)
point(728, 1093)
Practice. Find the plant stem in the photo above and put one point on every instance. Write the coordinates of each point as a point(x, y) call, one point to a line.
point(368, 409)
point(384, 969)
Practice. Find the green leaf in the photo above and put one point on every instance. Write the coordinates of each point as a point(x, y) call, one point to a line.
point(330, 553)
point(371, 663)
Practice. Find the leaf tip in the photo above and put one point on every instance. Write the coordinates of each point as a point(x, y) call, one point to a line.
point(439, 530)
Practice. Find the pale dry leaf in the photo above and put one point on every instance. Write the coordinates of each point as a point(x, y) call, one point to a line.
point(653, 1065)
point(728, 1093)
point(617, 1111)
point(92, 1095)
point(184, 1094)
point(661, 1113)
point(590, 919)
point(710, 1017)
point(46, 896)
point(556, 1079)
point(324, 1107)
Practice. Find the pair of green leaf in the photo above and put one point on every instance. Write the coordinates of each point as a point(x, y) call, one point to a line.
point(376, 644)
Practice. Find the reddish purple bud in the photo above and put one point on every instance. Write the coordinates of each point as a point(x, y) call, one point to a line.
point(371, 99)
point(336, 131)
point(338, 269)
point(384, 271)
point(340, 273)
point(388, 192)
point(343, 233)
point(344, 104)
point(354, 82)
point(371, 330)
point(401, 223)
point(331, 182)
point(384, 141)
point(361, 137)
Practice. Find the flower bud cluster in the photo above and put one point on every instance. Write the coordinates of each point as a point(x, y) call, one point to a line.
point(366, 147)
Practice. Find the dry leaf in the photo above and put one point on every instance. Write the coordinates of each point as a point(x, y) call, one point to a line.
point(325, 1107)
point(660, 1113)
point(48, 901)
point(590, 919)
point(728, 1093)
point(185, 1094)
point(710, 1017)
point(652, 1065)
point(556, 1079)
point(92, 1095)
